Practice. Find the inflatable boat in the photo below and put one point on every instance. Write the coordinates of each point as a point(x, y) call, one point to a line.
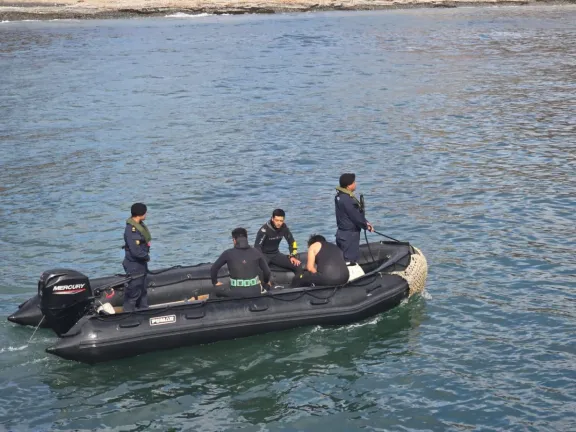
point(392, 272)
point(174, 284)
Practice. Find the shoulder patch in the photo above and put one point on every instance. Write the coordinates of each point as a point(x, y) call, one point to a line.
point(133, 229)
point(263, 230)
point(137, 242)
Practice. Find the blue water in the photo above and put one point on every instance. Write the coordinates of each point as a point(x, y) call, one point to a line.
point(460, 125)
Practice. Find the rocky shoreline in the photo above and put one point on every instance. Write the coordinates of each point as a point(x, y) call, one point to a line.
point(98, 9)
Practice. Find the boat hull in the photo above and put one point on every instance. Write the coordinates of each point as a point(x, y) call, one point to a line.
point(179, 283)
point(97, 338)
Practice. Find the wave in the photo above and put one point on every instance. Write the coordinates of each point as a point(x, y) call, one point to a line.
point(37, 20)
point(7, 21)
point(185, 15)
point(11, 348)
point(347, 327)
point(426, 295)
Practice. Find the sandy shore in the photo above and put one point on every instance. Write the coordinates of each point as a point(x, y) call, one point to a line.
point(89, 9)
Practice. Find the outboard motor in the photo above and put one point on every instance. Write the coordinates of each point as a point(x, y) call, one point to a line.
point(65, 296)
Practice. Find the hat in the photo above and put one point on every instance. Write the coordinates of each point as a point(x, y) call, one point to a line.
point(347, 179)
point(138, 209)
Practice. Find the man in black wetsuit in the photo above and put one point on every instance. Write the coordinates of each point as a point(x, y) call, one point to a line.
point(268, 241)
point(244, 265)
point(325, 266)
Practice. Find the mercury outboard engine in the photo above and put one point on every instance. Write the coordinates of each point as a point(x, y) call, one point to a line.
point(65, 296)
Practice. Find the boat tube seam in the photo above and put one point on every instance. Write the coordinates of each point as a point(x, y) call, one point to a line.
point(342, 311)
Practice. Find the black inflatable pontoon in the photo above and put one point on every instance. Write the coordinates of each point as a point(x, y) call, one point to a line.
point(172, 285)
point(397, 271)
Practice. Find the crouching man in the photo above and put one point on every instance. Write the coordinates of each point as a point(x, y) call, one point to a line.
point(244, 266)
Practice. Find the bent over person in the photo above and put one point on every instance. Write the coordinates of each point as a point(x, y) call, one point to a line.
point(244, 266)
point(137, 254)
point(325, 265)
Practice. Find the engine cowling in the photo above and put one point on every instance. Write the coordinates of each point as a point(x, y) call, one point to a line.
point(65, 296)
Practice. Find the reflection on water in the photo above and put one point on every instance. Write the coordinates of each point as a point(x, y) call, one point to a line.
point(459, 125)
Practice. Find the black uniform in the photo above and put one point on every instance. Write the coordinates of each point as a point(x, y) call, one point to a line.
point(268, 241)
point(350, 220)
point(137, 255)
point(331, 268)
point(244, 265)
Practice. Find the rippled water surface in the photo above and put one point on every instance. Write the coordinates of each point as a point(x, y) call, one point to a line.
point(461, 127)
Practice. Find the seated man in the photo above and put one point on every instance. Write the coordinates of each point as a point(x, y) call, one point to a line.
point(244, 265)
point(325, 266)
point(268, 241)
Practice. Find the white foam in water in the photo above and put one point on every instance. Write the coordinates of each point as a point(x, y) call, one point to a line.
point(11, 348)
point(55, 19)
point(185, 15)
point(373, 321)
point(2, 22)
point(35, 361)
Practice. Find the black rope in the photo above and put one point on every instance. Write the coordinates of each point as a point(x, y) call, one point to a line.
point(97, 291)
point(384, 235)
point(309, 292)
point(280, 297)
point(324, 298)
point(363, 211)
point(368, 244)
point(112, 318)
point(177, 282)
point(165, 270)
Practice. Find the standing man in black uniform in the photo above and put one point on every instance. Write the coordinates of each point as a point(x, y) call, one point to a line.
point(349, 218)
point(244, 266)
point(268, 241)
point(137, 254)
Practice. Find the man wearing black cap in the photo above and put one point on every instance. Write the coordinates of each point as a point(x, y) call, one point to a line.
point(137, 254)
point(349, 218)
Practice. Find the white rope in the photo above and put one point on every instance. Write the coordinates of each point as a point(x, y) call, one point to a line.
point(37, 327)
point(416, 273)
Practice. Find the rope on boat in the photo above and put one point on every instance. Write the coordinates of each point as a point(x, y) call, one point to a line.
point(416, 272)
point(36, 329)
